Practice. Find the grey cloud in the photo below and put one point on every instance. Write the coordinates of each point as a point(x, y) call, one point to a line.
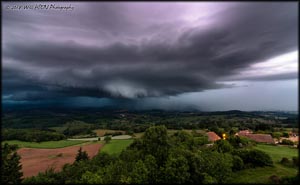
point(129, 66)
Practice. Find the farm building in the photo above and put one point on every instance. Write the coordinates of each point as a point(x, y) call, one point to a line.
point(244, 132)
point(212, 136)
point(261, 138)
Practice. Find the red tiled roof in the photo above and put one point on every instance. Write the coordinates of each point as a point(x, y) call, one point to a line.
point(262, 138)
point(212, 136)
point(242, 132)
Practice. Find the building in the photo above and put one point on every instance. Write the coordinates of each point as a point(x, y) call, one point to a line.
point(261, 138)
point(212, 136)
point(244, 132)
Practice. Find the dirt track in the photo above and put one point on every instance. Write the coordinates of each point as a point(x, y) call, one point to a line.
point(38, 160)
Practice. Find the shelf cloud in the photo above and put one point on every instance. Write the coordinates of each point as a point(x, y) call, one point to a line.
point(141, 49)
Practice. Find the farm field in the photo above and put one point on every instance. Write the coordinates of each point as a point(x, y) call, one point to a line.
point(101, 132)
point(116, 146)
point(45, 144)
point(35, 160)
point(262, 174)
point(101, 138)
point(278, 152)
point(138, 135)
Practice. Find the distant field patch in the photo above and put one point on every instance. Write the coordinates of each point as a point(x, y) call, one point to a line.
point(59, 129)
point(121, 137)
point(101, 138)
point(116, 146)
point(138, 135)
point(45, 144)
point(262, 174)
point(278, 152)
point(101, 132)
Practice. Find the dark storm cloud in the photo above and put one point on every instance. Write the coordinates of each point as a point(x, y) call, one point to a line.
point(139, 50)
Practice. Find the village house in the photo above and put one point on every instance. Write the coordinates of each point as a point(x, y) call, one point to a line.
point(212, 136)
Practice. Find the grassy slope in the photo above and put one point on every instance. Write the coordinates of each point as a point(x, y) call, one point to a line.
point(261, 175)
point(116, 146)
point(46, 144)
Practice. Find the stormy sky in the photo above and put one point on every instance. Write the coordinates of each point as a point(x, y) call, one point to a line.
point(143, 55)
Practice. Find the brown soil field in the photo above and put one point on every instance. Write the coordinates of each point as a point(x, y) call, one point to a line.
point(39, 160)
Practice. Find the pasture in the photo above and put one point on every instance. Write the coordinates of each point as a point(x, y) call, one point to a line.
point(278, 152)
point(45, 144)
point(261, 174)
point(116, 146)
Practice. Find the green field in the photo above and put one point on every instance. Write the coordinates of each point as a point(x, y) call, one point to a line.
point(278, 152)
point(262, 174)
point(46, 144)
point(116, 146)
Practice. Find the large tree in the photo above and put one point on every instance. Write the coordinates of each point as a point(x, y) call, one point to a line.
point(81, 155)
point(11, 168)
point(155, 142)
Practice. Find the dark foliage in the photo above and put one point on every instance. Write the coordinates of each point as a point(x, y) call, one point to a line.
point(81, 155)
point(31, 135)
point(10, 165)
point(254, 158)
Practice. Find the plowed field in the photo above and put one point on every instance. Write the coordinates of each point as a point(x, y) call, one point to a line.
point(38, 160)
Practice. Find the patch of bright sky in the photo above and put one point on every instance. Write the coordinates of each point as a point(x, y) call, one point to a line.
point(286, 63)
point(270, 95)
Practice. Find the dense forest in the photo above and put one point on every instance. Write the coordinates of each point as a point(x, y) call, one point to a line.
point(40, 125)
point(125, 120)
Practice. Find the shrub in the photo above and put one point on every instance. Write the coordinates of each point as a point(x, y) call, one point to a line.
point(287, 142)
point(285, 134)
point(285, 161)
point(296, 161)
point(254, 158)
point(223, 146)
point(275, 179)
point(290, 180)
point(59, 155)
point(238, 163)
point(107, 139)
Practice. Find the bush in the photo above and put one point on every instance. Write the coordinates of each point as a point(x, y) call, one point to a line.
point(275, 179)
point(223, 146)
point(107, 139)
point(285, 161)
point(296, 161)
point(238, 163)
point(290, 180)
point(285, 134)
point(254, 158)
point(287, 142)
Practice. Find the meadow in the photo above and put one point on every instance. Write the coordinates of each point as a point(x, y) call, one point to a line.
point(116, 146)
point(261, 174)
point(45, 144)
point(278, 152)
